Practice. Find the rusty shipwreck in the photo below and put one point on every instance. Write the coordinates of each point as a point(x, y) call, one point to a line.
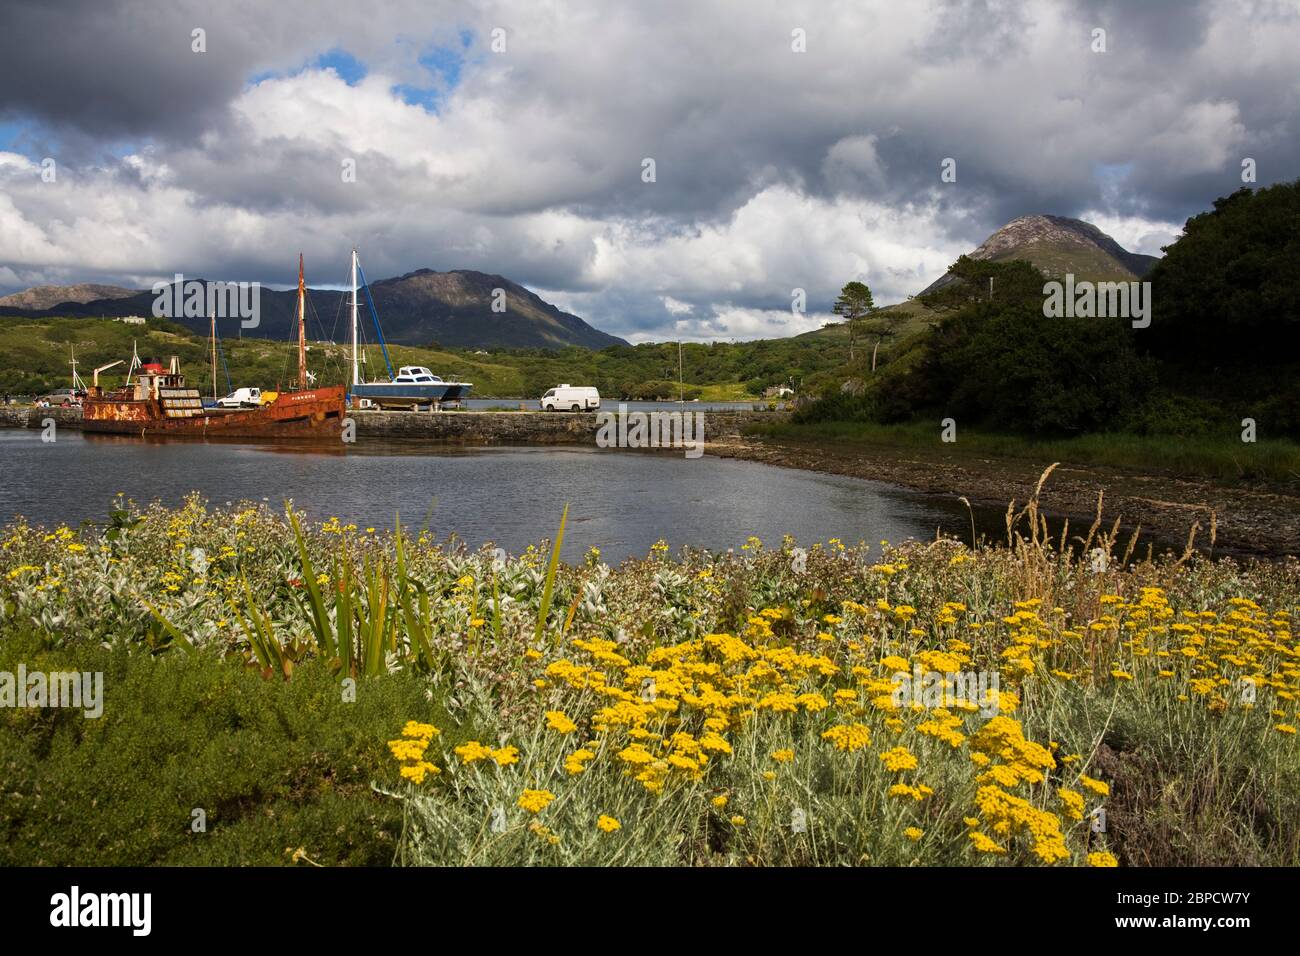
point(156, 401)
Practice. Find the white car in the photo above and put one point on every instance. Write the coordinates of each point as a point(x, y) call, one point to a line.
point(568, 398)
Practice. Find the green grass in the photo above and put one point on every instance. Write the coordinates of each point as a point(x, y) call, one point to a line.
point(276, 765)
point(725, 392)
point(1276, 460)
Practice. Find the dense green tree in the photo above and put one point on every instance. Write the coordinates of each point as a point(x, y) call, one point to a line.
point(1227, 293)
point(1007, 367)
point(1000, 363)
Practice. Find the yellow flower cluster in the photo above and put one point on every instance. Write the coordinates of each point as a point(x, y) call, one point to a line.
point(535, 801)
point(1008, 815)
point(410, 748)
point(472, 751)
point(898, 760)
point(676, 715)
point(557, 721)
point(849, 737)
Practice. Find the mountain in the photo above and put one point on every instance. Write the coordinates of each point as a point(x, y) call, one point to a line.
point(1057, 245)
point(1054, 244)
point(455, 308)
point(41, 297)
point(450, 308)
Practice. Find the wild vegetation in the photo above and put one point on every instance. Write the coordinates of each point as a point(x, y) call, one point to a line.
point(680, 709)
point(1224, 308)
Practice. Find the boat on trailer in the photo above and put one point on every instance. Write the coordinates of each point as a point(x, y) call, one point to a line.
point(159, 402)
point(412, 385)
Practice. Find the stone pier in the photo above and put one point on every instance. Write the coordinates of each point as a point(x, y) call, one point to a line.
point(457, 428)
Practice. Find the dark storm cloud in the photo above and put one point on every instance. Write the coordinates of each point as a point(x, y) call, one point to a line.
point(721, 104)
point(1161, 28)
point(117, 70)
point(774, 168)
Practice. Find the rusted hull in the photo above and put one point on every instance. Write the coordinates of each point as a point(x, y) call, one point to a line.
point(317, 413)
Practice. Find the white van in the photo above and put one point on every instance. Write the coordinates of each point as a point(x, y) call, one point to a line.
point(241, 398)
point(567, 398)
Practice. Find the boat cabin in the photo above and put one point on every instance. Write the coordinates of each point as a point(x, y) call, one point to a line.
point(416, 375)
point(152, 378)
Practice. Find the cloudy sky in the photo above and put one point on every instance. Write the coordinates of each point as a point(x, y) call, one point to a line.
point(795, 145)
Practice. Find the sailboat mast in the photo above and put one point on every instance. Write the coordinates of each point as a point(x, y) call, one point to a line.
point(302, 328)
point(214, 356)
point(355, 371)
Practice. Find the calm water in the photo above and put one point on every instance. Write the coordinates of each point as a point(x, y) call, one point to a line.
point(620, 501)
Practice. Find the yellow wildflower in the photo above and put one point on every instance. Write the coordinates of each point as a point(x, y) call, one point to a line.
point(535, 801)
point(557, 721)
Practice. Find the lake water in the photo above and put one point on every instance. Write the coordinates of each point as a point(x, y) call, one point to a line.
point(620, 501)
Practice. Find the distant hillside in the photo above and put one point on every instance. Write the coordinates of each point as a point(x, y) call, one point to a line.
point(43, 297)
point(35, 355)
point(1057, 245)
point(450, 308)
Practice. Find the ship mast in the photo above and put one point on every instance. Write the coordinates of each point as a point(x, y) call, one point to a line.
point(77, 383)
point(355, 371)
point(135, 362)
point(302, 329)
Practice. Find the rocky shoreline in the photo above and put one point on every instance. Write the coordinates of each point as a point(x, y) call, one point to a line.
point(1249, 520)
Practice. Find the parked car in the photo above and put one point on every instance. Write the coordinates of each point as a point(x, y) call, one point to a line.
point(61, 398)
point(568, 398)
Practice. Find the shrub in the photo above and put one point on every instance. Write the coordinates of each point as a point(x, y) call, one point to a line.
point(276, 765)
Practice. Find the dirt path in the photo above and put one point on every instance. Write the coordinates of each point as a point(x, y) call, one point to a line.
point(1250, 520)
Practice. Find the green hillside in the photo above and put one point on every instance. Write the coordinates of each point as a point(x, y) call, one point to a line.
point(1057, 258)
point(904, 318)
point(35, 354)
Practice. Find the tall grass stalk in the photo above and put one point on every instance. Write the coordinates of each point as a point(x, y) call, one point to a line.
point(549, 586)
